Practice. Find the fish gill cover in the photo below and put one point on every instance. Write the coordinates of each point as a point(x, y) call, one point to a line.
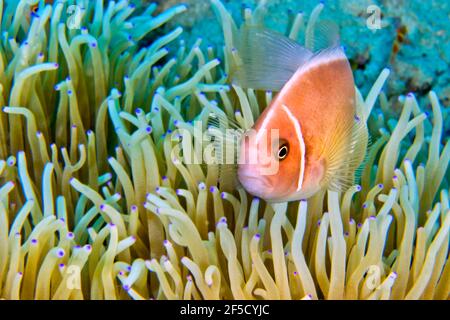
point(97, 200)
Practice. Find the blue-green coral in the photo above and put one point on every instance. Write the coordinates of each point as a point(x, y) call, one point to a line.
point(90, 181)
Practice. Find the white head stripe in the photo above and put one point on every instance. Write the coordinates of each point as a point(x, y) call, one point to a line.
point(264, 125)
point(301, 142)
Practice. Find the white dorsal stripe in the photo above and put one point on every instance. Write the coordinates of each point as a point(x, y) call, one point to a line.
point(301, 142)
point(323, 57)
point(264, 125)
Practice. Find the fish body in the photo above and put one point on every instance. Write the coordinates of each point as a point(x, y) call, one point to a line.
point(310, 137)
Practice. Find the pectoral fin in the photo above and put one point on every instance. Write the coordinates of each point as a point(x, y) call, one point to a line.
point(344, 156)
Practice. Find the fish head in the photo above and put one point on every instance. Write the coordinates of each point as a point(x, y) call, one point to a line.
point(271, 158)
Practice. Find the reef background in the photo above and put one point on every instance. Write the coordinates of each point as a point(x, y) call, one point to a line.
point(419, 66)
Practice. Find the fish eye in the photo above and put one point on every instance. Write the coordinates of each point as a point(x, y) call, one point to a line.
point(283, 151)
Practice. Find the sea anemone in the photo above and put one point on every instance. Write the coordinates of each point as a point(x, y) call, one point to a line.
point(99, 201)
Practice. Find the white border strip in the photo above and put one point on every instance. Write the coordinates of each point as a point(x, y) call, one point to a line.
point(298, 131)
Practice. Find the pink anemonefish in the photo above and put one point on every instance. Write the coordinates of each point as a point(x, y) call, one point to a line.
point(321, 141)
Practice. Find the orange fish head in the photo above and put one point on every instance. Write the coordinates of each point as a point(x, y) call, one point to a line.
point(271, 158)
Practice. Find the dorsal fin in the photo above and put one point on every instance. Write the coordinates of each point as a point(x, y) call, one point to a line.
point(320, 58)
point(325, 35)
point(269, 59)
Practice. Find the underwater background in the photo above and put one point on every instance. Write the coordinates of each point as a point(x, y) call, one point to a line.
point(412, 39)
point(97, 200)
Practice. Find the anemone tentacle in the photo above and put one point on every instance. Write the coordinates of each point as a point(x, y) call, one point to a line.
point(98, 200)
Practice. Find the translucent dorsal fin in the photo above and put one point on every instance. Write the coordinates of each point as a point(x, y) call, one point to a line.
point(325, 35)
point(268, 59)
